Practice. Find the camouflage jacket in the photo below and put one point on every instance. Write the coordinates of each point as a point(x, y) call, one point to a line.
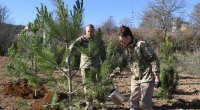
point(142, 61)
point(92, 51)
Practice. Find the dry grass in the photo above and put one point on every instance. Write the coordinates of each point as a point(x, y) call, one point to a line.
point(188, 63)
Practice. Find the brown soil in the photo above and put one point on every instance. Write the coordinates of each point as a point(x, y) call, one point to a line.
point(22, 89)
point(186, 97)
point(38, 105)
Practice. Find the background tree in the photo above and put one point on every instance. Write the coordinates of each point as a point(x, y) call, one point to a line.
point(126, 22)
point(3, 14)
point(8, 32)
point(108, 26)
point(108, 29)
point(196, 18)
point(148, 19)
point(8, 35)
point(147, 29)
point(3, 18)
point(179, 22)
point(160, 14)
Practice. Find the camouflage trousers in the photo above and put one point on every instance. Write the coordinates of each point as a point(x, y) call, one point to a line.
point(141, 95)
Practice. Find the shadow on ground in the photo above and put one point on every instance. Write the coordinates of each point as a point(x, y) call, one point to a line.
point(180, 104)
point(181, 92)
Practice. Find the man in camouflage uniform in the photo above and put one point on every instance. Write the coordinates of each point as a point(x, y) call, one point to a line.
point(88, 60)
point(144, 66)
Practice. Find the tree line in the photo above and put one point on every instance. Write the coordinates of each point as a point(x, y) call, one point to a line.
point(158, 20)
point(8, 32)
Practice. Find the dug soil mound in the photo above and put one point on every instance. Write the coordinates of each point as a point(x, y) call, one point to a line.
point(47, 99)
point(22, 89)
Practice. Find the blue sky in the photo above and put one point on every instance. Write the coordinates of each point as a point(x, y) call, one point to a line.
point(96, 11)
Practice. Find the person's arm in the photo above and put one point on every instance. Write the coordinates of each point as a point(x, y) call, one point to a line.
point(73, 47)
point(151, 56)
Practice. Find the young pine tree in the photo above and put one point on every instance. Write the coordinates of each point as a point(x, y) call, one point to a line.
point(169, 76)
point(43, 46)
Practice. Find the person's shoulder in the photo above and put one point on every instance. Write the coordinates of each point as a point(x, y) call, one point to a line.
point(142, 44)
point(81, 37)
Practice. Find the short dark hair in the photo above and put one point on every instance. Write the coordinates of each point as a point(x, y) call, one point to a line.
point(90, 26)
point(125, 31)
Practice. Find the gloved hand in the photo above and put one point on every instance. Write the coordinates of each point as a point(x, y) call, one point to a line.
point(157, 84)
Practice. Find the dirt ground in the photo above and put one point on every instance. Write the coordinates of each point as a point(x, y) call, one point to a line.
point(186, 97)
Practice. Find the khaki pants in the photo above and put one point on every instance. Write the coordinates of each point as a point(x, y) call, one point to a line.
point(85, 71)
point(89, 103)
point(83, 74)
point(141, 92)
